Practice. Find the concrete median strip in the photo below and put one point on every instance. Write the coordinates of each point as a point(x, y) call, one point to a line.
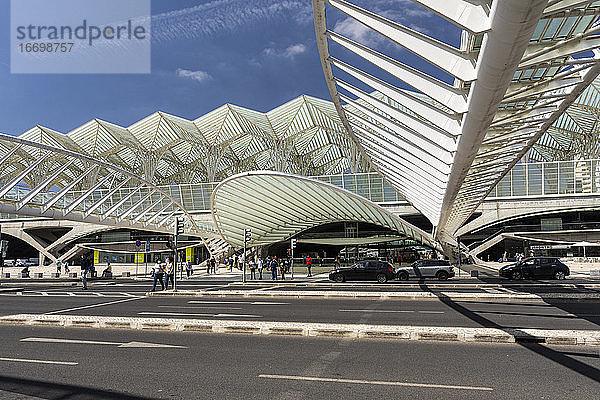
point(357, 331)
point(456, 296)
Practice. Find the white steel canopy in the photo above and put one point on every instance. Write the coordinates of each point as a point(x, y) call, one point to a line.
point(444, 146)
point(303, 136)
point(277, 206)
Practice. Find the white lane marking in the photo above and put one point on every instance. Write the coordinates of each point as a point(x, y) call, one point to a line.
point(70, 341)
point(379, 311)
point(93, 305)
point(99, 294)
point(255, 303)
point(392, 311)
point(93, 342)
point(364, 382)
point(44, 294)
point(203, 307)
point(38, 361)
point(199, 314)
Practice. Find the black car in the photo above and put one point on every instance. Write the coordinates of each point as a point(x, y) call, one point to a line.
point(536, 268)
point(371, 270)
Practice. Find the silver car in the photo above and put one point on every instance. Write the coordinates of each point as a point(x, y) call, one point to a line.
point(440, 269)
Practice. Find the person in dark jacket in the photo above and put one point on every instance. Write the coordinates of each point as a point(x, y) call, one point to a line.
point(85, 267)
point(273, 266)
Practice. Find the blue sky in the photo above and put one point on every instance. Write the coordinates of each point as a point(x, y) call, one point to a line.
point(253, 53)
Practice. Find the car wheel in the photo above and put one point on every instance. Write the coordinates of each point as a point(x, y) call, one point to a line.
point(442, 275)
point(560, 275)
point(403, 276)
point(381, 278)
point(516, 275)
point(339, 278)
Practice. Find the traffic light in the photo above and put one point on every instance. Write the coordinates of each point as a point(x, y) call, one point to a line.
point(170, 244)
point(247, 235)
point(178, 226)
point(293, 243)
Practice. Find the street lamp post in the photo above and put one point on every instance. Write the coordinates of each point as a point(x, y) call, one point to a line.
point(293, 246)
point(247, 237)
point(178, 231)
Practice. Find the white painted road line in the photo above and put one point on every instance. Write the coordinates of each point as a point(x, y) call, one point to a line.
point(364, 382)
point(93, 305)
point(69, 341)
point(392, 311)
point(38, 361)
point(254, 303)
point(379, 311)
point(202, 307)
point(198, 315)
point(92, 342)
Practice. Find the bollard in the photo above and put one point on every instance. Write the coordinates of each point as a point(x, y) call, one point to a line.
point(6, 275)
point(72, 274)
point(474, 273)
point(54, 275)
point(38, 275)
point(126, 274)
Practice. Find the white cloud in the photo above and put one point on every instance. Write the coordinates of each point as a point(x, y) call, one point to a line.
point(356, 31)
point(200, 76)
point(289, 52)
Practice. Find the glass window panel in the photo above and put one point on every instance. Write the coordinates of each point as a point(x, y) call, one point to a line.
point(551, 31)
point(534, 179)
point(567, 177)
point(519, 184)
point(362, 185)
point(596, 176)
point(551, 178)
point(583, 177)
point(336, 180)
point(583, 24)
point(504, 187)
point(566, 28)
point(350, 182)
point(538, 30)
point(376, 186)
point(389, 194)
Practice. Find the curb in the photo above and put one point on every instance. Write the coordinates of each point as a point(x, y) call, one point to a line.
point(380, 295)
point(481, 285)
point(357, 331)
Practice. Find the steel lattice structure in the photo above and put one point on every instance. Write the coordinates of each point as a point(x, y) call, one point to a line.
point(302, 136)
point(513, 74)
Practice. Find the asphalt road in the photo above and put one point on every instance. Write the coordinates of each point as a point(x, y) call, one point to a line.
point(50, 363)
point(523, 314)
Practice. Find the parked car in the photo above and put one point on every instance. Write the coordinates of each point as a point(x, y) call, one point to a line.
point(536, 268)
point(440, 269)
point(370, 270)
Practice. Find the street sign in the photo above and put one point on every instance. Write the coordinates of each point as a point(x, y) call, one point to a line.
point(138, 243)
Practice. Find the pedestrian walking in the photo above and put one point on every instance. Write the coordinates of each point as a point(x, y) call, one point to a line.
point(157, 275)
point(188, 268)
point(309, 265)
point(58, 267)
point(273, 267)
point(338, 263)
point(213, 265)
point(282, 267)
point(84, 271)
point(252, 268)
point(169, 273)
point(259, 265)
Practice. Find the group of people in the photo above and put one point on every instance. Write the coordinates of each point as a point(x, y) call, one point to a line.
point(278, 267)
point(166, 270)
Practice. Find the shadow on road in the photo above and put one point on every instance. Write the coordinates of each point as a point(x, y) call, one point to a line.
point(528, 341)
point(56, 391)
